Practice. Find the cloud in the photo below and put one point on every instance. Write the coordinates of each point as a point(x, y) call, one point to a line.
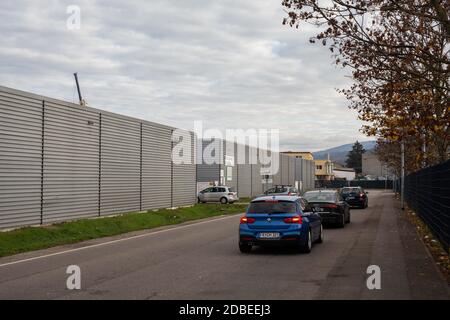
point(229, 63)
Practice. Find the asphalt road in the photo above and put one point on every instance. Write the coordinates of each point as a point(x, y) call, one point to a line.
point(201, 260)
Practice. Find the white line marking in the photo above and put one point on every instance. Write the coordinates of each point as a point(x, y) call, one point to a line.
point(115, 241)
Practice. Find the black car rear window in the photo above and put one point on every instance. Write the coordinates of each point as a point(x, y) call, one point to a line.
point(320, 196)
point(272, 207)
point(278, 190)
point(351, 190)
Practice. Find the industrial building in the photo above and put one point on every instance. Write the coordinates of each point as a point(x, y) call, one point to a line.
point(61, 161)
point(246, 177)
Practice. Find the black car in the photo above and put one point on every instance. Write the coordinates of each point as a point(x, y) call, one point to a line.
point(355, 196)
point(329, 205)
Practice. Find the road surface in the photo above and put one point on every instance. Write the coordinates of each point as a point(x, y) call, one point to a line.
point(201, 260)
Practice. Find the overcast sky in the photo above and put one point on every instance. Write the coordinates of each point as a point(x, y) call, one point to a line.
point(230, 63)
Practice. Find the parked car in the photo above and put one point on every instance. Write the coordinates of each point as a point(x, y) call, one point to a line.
point(282, 190)
point(355, 196)
point(279, 220)
point(222, 194)
point(329, 205)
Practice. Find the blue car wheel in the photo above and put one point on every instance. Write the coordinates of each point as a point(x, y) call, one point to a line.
point(307, 246)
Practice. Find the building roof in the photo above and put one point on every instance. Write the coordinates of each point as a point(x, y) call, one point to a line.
point(344, 169)
point(322, 160)
point(296, 152)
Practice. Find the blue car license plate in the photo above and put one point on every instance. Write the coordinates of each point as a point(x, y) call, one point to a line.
point(269, 235)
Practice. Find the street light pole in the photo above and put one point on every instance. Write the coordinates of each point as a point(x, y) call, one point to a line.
point(402, 187)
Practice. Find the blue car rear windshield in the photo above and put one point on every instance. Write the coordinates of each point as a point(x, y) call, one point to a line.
point(272, 207)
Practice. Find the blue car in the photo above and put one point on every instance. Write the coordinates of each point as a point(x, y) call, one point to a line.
point(281, 220)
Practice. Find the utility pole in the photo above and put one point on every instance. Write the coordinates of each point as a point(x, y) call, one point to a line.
point(402, 187)
point(424, 151)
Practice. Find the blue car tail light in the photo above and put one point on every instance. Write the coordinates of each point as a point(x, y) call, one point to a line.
point(247, 220)
point(295, 219)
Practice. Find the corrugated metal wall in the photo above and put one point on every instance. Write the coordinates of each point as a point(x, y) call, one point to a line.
point(256, 172)
point(248, 178)
point(183, 186)
point(267, 179)
point(120, 164)
point(60, 161)
point(309, 174)
point(284, 169)
point(245, 176)
point(298, 173)
point(291, 179)
point(312, 175)
point(71, 162)
point(230, 150)
point(207, 172)
point(276, 178)
point(156, 166)
point(20, 159)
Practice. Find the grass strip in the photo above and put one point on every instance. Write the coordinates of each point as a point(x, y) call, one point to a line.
point(34, 238)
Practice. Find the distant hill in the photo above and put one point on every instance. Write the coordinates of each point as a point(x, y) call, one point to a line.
point(339, 154)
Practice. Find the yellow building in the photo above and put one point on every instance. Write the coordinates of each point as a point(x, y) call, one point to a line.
point(324, 169)
point(300, 154)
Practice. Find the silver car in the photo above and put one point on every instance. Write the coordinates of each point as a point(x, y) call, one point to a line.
point(220, 194)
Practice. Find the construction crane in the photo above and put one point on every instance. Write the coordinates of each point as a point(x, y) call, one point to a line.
point(82, 102)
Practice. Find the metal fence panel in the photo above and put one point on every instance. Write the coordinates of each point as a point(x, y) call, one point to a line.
point(366, 184)
point(427, 192)
point(20, 159)
point(71, 163)
point(120, 164)
point(156, 166)
point(184, 189)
